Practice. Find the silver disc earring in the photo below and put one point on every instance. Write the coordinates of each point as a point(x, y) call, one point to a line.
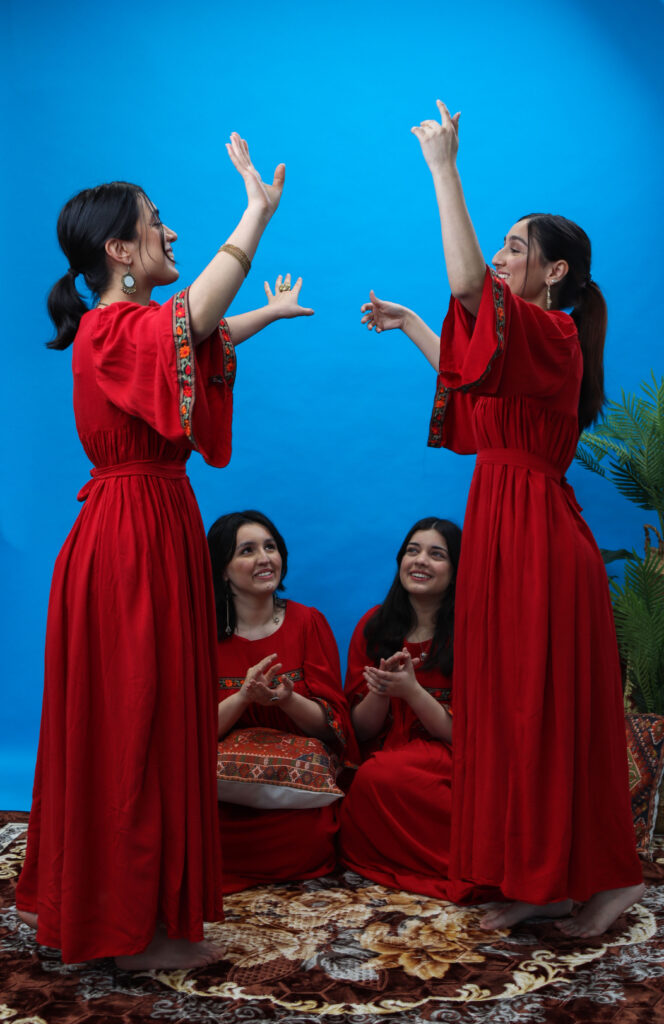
point(128, 281)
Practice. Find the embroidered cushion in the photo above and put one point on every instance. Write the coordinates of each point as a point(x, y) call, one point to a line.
point(270, 769)
point(645, 757)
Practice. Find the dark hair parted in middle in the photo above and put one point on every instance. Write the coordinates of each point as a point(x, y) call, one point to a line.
point(388, 627)
point(222, 541)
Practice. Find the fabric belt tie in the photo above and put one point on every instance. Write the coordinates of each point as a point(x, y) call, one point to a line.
point(526, 460)
point(142, 467)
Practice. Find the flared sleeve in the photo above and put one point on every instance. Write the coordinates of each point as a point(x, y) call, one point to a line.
point(355, 686)
point(146, 364)
point(512, 347)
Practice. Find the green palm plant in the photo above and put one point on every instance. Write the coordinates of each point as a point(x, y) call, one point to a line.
point(631, 437)
point(638, 610)
point(627, 446)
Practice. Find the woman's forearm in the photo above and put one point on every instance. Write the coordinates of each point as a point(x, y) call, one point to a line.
point(308, 715)
point(431, 714)
point(212, 292)
point(464, 262)
point(245, 325)
point(421, 335)
point(369, 716)
point(228, 712)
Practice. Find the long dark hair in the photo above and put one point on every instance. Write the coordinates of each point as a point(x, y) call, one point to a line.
point(222, 541)
point(562, 239)
point(85, 224)
point(388, 627)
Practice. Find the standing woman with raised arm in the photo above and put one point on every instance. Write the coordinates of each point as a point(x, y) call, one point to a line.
point(541, 804)
point(123, 855)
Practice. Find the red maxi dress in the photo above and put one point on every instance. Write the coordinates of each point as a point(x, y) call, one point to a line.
point(277, 846)
point(395, 821)
point(541, 802)
point(123, 829)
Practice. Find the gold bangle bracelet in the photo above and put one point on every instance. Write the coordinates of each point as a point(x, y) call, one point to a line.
point(239, 255)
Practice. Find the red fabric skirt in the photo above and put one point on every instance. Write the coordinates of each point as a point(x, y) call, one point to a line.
point(395, 822)
point(123, 830)
point(276, 846)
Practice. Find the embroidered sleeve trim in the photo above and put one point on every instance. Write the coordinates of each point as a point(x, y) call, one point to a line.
point(333, 721)
point(185, 363)
point(235, 682)
point(229, 359)
point(443, 393)
point(442, 696)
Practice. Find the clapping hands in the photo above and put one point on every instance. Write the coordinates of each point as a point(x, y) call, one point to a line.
point(258, 686)
point(394, 677)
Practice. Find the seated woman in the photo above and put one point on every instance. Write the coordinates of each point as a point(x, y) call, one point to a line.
point(395, 821)
point(279, 668)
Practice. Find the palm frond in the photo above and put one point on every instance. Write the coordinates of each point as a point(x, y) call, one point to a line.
point(638, 607)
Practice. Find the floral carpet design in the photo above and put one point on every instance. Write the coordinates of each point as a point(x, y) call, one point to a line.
point(344, 949)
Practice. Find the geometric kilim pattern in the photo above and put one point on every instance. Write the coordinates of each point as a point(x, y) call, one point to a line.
point(272, 757)
point(645, 757)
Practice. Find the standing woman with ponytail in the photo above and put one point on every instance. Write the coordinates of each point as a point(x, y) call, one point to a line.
point(541, 804)
point(123, 855)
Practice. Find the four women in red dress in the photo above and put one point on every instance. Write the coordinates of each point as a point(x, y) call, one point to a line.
point(123, 851)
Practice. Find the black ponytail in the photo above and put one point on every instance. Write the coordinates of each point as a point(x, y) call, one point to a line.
point(65, 308)
point(590, 316)
point(85, 224)
point(562, 239)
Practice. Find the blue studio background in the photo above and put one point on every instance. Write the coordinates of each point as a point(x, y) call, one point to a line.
point(561, 111)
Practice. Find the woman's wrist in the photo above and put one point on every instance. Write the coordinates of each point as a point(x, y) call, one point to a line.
point(414, 694)
point(258, 214)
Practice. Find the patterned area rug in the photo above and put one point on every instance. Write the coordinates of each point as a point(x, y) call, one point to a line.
point(346, 949)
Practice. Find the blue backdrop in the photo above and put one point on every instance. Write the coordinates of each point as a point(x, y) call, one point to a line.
point(561, 111)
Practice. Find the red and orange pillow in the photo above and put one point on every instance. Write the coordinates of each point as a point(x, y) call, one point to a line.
point(270, 769)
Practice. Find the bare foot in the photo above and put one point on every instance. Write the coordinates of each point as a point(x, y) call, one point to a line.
point(512, 913)
point(601, 911)
point(170, 954)
point(27, 918)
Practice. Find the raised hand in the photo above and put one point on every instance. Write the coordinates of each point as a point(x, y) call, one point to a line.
point(439, 140)
point(285, 300)
point(260, 196)
point(383, 316)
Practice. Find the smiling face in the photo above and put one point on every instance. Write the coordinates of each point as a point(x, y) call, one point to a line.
point(426, 569)
point(520, 264)
point(153, 259)
point(255, 568)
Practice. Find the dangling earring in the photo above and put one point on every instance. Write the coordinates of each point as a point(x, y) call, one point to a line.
point(229, 628)
point(276, 608)
point(548, 295)
point(128, 281)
